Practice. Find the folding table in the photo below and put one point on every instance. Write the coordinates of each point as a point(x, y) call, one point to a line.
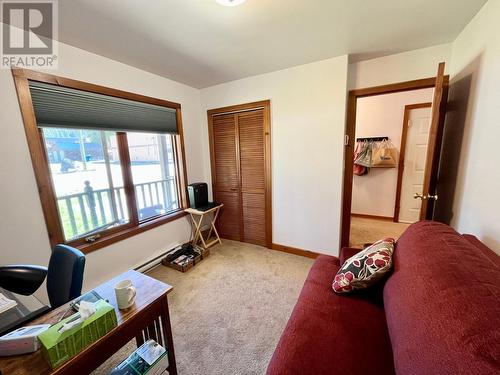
point(196, 221)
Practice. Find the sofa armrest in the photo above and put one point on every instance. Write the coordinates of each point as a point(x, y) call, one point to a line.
point(490, 254)
point(346, 253)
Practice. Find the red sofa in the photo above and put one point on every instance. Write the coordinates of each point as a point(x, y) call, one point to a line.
point(437, 313)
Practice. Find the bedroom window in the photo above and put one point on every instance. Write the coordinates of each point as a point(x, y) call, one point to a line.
point(109, 164)
point(87, 178)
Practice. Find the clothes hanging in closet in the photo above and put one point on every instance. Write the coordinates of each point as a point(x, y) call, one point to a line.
point(370, 153)
point(362, 158)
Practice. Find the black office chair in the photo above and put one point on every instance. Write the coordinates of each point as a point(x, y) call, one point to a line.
point(64, 276)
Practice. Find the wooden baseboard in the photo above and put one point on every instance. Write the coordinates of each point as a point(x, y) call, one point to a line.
point(293, 250)
point(363, 216)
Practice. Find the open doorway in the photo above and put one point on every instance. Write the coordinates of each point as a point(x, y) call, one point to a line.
point(382, 195)
point(401, 124)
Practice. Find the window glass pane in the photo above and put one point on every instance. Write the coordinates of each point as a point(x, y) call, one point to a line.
point(86, 172)
point(153, 173)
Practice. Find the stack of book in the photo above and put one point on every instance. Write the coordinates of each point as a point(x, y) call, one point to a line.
point(150, 358)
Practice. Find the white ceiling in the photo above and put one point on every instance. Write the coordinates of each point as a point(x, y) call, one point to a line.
point(201, 43)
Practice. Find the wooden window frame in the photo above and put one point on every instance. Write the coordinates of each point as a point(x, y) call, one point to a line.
point(44, 180)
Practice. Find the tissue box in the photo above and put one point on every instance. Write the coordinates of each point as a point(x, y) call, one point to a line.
point(57, 347)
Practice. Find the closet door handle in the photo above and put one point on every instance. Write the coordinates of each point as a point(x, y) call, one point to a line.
point(419, 196)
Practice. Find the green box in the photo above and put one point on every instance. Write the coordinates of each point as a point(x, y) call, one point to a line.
point(58, 348)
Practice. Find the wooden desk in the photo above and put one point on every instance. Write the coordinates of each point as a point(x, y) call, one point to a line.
point(147, 319)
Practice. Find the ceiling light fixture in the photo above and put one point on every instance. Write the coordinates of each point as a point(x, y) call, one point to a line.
point(230, 3)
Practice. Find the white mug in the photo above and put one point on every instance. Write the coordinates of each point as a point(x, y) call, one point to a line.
point(125, 294)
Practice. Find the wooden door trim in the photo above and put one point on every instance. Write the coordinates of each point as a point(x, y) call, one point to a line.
point(435, 138)
point(392, 88)
point(402, 150)
point(268, 175)
point(350, 132)
point(265, 105)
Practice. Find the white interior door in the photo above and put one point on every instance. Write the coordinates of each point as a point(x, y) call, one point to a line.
point(419, 121)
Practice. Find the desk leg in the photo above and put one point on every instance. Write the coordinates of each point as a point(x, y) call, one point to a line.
point(167, 332)
point(139, 339)
point(157, 327)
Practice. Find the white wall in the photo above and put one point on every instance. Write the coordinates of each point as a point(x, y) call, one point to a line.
point(476, 57)
point(22, 227)
point(307, 122)
point(381, 115)
point(406, 66)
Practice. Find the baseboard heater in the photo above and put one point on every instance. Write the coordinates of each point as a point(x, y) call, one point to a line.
point(150, 264)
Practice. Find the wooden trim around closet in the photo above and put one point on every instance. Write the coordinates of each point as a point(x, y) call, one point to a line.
point(402, 149)
point(266, 106)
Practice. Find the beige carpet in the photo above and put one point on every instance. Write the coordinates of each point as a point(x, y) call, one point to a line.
point(365, 230)
point(228, 312)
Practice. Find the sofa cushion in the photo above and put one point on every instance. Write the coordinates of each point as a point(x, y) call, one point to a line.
point(442, 304)
point(332, 334)
point(365, 268)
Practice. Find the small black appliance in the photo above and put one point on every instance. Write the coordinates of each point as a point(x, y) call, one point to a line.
point(198, 194)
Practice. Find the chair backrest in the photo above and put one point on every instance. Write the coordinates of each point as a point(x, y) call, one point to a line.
point(65, 275)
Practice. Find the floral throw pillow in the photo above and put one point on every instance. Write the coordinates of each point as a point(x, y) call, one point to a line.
point(365, 268)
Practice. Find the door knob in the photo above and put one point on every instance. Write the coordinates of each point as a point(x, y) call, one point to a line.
point(435, 197)
point(419, 196)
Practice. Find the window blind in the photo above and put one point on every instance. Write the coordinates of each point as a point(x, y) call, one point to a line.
point(64, 107)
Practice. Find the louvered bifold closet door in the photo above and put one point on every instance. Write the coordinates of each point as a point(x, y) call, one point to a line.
point(226, 181)
point(252, 180)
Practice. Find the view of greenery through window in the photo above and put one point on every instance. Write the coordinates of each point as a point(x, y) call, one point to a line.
point(88, 182)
